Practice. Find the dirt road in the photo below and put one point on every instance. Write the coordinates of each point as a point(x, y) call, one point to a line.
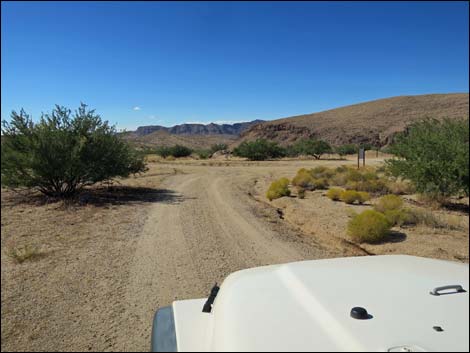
point(186, 247)
point(105, 266)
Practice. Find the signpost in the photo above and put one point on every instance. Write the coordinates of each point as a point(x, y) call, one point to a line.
point(361, 153)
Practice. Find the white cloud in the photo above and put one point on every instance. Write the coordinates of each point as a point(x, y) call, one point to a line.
point(136, 108)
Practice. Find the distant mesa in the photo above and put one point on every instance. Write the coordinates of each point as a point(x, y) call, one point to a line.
point(199, 129)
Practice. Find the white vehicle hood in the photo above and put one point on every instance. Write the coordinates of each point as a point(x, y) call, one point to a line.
point(305, 306)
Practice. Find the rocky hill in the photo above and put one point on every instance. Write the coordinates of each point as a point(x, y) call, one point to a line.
point(374, 122)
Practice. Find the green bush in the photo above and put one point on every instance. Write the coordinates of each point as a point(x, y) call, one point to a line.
point(203, 154)
point(334, 194)
point(259, 150)
point(62, 154)
point(278, 188)
point(178, 151)
point(368, 227)
point(344, 150)
point(312, 147)
point(389, 202)
point(163, 151)
point(434, 155)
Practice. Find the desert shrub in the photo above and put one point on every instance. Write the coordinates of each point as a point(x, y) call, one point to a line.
point(400, 187)
point(349, 196)
point(344, 150)
point(375, 186)
point(163, 151)
point(434, 155)
point(278, 188)
point(259, 150)
point(301, 193)
point(341, 169)
point(203, 154)
point(368, 227)
point(334, 194)
point(304, 179)
point(179, 151)
point(218, 147)
point(354, 175)
point(389, 202)
point(362, 197)
point(320, 184)
point(321, 172)
point(61, 154)
point(312, 147)
point(400, 217)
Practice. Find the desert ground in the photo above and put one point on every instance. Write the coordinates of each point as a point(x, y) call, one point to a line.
point(100, 267)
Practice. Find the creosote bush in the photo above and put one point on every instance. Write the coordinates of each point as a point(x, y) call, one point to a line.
point(351, 196)
point(368, 227)
point(334, 194)
point(278, 188)
point(389, 202)
point(303, 179)
point(63, 153)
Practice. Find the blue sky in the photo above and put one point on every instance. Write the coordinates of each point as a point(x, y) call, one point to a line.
point(142, 63)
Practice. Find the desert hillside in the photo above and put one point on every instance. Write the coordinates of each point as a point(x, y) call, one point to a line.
point(375, 121)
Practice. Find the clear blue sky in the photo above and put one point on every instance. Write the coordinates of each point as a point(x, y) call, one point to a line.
point(143, 63)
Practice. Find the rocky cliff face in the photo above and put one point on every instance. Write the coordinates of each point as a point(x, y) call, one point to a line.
point(199, 129)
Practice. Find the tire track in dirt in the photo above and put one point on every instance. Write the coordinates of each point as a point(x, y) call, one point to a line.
point(188, 245)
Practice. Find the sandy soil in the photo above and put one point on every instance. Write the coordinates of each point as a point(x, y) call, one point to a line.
point(107, 265)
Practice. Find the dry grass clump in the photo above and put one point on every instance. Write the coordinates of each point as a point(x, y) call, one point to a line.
point(23, 253)
point(278, 188)
point(368, 227)
point(401, 187)
point(400, 217)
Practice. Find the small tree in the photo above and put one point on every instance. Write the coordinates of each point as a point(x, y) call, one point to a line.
point(312, 147)
point(434, 155)
point(344, 150)
point(62, 153)
point(259, 150)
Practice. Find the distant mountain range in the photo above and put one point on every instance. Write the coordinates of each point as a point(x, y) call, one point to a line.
point(373, 122)
point(198, 129)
